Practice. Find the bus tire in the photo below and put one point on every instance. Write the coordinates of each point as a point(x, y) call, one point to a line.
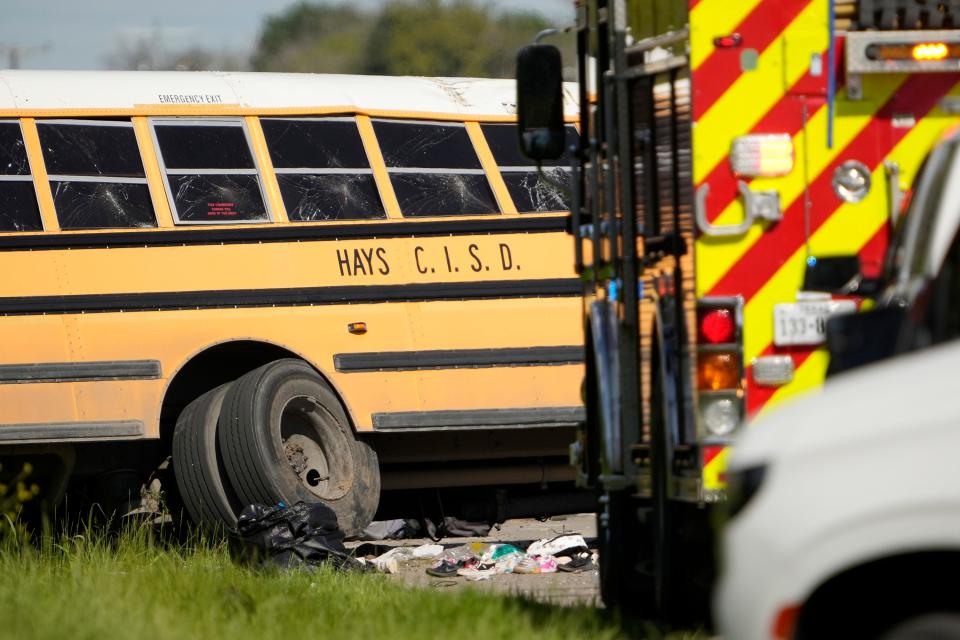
point(198, 466)
point(286, 438)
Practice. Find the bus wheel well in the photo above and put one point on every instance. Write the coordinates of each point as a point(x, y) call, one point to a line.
point(866, 600)
point(211, 368)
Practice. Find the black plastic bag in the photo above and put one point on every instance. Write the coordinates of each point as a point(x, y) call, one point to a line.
point(301, 535)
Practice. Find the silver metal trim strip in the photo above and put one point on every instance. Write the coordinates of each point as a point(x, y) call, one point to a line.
point(80, 371)
point(117, 179)
point(71, 431)
point(309, 171)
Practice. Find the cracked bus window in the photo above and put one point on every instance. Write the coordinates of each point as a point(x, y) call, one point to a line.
point(18, 200)
point(96, 174)
point(322, 169)
point(209, 170)
point(434, 169)
point(530, 193)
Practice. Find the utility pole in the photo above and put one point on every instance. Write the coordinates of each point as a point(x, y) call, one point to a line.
point(17, 52)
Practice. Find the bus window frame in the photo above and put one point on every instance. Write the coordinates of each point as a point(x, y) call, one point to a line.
point(560, 166)
point(326, 171)
point(482, 170)
point(209, 121)
point(29, 176)
point(119, 121)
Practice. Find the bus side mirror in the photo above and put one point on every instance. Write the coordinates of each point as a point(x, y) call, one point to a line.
point(840, 275)
point(540, 102)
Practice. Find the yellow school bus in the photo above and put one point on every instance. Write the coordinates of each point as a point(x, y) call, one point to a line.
point(299, 287)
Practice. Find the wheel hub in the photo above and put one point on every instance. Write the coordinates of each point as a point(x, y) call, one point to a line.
point(308, 433)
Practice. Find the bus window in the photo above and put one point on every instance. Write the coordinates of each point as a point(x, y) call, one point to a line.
point(530, 194)
point(96, 174)
point(209, 171)
point(322, 169)
point(18, 201)
point(434, 168)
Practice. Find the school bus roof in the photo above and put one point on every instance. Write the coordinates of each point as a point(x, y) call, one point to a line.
point(102, 92)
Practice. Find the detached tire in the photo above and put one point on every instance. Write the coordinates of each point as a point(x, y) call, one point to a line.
point(198, 466)
point(285, 438)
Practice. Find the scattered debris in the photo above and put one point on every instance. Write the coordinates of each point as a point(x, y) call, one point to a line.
point(390, 561)
point(300, 536)
point(396, 529)
point(482, 561)
point(562, 545)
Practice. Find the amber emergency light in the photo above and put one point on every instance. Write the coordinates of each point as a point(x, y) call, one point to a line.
point(920, 52)
point(717, 370)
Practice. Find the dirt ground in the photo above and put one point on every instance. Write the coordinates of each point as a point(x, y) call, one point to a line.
point(555, 588)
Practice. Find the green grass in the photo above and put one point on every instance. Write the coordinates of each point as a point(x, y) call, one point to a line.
point(95, 586)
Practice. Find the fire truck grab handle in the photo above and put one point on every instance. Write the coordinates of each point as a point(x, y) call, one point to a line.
point(757, 205)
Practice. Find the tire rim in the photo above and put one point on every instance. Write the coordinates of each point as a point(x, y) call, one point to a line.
point(316, 448)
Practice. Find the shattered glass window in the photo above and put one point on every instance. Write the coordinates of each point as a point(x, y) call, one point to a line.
point(96, 149)
point(196, 146)
point(322, 168)
point(13, 154)
point(210, 171)
point(219, 198)
point(18, 206)
point(434, 169)
point(18, 200)
point(99, 205)
point(425, 145)
point(323, 197)
point(504, 142)
point(529, 191)
point(330, 143)
point(532, 194)
point(443, 194)
point(96, 174)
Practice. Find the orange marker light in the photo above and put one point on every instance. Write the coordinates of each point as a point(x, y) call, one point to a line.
point(718, 370)
point(930, 51)
point(357, 327)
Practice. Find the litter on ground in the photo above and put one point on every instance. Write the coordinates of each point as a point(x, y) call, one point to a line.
point(481, 561)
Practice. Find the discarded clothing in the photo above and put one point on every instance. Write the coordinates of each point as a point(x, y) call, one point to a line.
point(396, 529)
point(562, 545)
point(390, 561)
point(451, 527)
point(537, 564)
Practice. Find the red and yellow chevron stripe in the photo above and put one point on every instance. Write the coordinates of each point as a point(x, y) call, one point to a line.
point(766, 86)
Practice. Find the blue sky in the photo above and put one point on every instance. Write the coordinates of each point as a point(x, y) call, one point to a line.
point(78, 34)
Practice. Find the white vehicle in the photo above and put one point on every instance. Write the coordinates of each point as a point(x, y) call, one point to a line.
point(845, 510)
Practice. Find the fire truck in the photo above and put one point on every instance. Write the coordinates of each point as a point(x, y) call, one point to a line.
point(729, 152)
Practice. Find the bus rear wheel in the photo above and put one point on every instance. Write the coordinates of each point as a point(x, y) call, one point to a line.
point(198, 466)
point(286, 438)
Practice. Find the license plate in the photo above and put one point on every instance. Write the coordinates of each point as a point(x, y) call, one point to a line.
point(806, 322)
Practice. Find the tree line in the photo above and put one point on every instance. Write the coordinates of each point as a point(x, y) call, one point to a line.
point(403, 37)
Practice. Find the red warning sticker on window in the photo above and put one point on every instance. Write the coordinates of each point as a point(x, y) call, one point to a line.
point(221, 209)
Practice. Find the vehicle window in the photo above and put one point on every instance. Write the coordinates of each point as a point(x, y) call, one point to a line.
point(322, 169)
point(530, 193)
point(96, 174)
point(18, 200)
point(923, 210)
point(434, 169)
point(210, 173)
point(940, 319)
